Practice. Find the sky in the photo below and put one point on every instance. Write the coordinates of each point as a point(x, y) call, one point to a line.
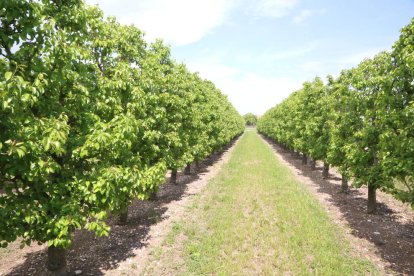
point(257, 52)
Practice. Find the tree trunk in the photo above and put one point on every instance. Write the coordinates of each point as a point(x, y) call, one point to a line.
point(312, 163)
point(304, 159)
point(372, 199)
point(173, 178)
point(293, 153)
point(153, 196)
point(187, 170)
point(325, 171)
point(197, 164)
point(56, 260)
point(123, 217)
point(344, 185)
point(297, 154)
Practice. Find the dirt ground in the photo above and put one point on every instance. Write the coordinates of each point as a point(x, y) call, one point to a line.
point(386, 238)
point(127, 248)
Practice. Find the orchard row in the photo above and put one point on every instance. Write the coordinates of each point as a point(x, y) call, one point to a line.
point(92, 117)
point(360, 122)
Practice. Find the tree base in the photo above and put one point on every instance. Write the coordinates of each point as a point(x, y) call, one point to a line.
point(344, 185)
point(187, 170)
point(56, 261)
point(325, 171)
point(372, 200)
point(153, 196)
point(173, 178)
point(312, 163)
point(304, 159)
point(123, 218)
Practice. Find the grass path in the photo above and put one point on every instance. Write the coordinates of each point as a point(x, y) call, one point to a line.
point(255, 218)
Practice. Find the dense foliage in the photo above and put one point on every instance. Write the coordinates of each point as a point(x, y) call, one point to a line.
point(250, 119)
point(361, 122)
point(92, 116)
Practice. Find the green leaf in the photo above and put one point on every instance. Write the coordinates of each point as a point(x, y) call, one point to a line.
point(8, 75)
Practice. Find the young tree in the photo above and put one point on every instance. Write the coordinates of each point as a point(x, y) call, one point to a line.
point(316, 133)
point(49, 104)
point(396, 114)
point(355, 125)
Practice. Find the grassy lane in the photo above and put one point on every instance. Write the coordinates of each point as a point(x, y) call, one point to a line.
point(255, 218)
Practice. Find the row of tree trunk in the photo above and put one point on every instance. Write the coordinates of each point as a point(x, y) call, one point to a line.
point(372, 190)
point(57, 255)
point(187, 171)
point(306, 160)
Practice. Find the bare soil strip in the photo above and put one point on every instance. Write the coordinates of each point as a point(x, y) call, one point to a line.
point(126, 250)
point(386, 238)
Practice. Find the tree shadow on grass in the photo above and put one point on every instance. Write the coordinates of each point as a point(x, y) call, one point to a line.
point(391, 231)
point(93, 255)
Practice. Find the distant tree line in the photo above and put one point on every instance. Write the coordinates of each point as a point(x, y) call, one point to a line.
point(250, 119)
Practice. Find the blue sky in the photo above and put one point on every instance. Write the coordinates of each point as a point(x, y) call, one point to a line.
point(259, 51)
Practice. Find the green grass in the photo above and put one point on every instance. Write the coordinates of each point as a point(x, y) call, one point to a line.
point(256, 218)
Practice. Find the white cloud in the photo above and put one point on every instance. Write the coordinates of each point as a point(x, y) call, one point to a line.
point(255, 93)
point(356, 58)
point(272, 8)
point(292, 53)
point(289, 54)
point(335, 65)
point(268, 58)
point(182, 22)
point(305, 14)
point(311, 65)
point(247, 91)
point(310, 69)
point(212, 69)
point(178, 22)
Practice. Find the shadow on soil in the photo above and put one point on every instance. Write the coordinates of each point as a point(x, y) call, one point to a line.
point(92, 255)
point(393, 240)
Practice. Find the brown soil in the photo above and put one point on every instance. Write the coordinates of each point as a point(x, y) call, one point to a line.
point(386, 238)
point(127, 248)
